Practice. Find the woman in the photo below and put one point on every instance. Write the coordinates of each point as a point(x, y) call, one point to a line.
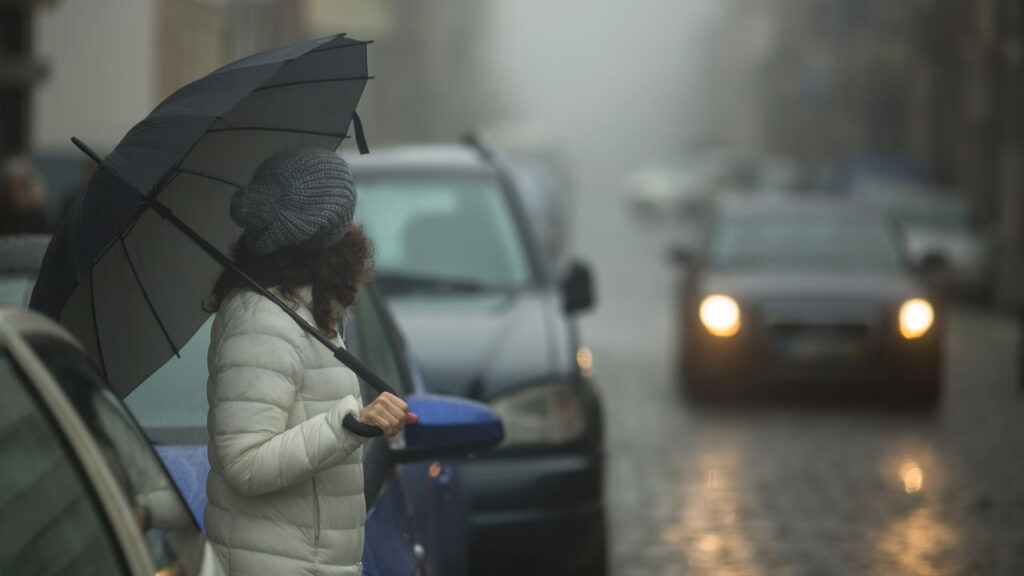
point(286, 482)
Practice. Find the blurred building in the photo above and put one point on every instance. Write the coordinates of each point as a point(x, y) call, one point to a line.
point(20, 71)
point(934, 85)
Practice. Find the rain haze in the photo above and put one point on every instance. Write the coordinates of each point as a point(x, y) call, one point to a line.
point(741, 280)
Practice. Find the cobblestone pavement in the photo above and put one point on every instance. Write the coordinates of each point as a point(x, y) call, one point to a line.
point(785, 490)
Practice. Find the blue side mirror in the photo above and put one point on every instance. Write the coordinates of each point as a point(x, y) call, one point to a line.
point(448, 426)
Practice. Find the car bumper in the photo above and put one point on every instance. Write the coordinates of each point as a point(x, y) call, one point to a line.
point(530, 511)
point(886, 364)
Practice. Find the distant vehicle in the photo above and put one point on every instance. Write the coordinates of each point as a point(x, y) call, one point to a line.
point(490, 321)
point(687, 189)
point(418, 519)
point(20, 256)
point(81, 491)
point(807, 292)
point(943, 239)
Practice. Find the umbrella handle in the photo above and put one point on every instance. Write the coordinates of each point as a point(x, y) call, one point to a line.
point(360, 429)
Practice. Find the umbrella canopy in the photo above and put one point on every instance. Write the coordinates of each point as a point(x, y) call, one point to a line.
point(130, 268)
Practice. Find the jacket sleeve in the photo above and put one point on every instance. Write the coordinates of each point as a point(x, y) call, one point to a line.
point(252, 390)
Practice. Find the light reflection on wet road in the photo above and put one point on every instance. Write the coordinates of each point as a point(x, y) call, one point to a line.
point(819, 490)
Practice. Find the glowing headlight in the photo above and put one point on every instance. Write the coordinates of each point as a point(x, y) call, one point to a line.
point(916, 318)
point(720, 315)
point(546, 414)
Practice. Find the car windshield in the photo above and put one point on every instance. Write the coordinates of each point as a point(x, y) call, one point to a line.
point(441, 233)
point(799, 240)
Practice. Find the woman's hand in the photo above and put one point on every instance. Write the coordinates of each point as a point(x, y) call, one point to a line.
point(387, 412)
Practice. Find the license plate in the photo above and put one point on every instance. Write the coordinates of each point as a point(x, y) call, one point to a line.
point(821, 346)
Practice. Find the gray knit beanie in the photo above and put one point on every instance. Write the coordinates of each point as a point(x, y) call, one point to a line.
point(296, 196)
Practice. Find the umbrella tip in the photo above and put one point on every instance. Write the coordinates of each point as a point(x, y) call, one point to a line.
point(86, 150)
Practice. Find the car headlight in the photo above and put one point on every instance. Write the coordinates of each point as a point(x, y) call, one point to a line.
point(916, 318)
point(545, 414)
point(720, 315)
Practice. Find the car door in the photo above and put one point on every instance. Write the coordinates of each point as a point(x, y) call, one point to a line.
point(51, 518)
point(436, 503)
point(392, 547)
point(172, 538)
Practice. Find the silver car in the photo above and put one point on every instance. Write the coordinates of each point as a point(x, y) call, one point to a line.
point(81, 491)
point(941, 239)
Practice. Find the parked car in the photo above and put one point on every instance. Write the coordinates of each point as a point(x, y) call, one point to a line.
point(942, 238)
point(20, 256)
point(539, 169)
point(418, 508)
point(81, 490)
point(491, 321)
point(806, 291)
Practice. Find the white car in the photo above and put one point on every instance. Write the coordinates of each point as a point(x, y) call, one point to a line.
point(81, 490)
point(941, 236)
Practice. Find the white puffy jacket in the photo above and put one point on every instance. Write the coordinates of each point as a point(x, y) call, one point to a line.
point(286, 480)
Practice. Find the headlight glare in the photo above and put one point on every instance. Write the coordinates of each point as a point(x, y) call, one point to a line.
point(720, 315)
point(916, 318)
point(545, 414)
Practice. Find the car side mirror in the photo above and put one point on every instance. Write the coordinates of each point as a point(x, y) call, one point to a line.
point(448, 427)
point(578, 288)
point(680, 255)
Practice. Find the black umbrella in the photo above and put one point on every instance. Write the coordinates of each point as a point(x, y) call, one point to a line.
point(130, 267)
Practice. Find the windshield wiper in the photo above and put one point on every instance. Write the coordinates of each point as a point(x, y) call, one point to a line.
point(410, 282)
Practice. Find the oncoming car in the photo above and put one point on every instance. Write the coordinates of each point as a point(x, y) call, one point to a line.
point(806, 291)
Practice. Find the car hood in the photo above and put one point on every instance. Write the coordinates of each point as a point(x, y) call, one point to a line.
point(761, 286)
point(477, 345)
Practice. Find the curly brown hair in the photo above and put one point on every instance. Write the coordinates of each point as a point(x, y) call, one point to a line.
point(334, 272)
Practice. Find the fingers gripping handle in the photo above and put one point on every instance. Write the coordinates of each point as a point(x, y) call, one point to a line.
point(350, 422)
point(358, 428)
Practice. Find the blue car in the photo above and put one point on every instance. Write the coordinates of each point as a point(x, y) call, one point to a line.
point(418, 514)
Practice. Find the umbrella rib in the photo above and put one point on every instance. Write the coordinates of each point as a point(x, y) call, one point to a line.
point(273, 129)
point(316, 81)
point(342, 47)
point(207, 175)
point(145, 295)
point(95, 323)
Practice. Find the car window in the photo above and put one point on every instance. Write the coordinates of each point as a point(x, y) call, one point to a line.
point(49, 520)
point(797, 240)
point(171, 404)
point(937, 217)
point(377, 347)
point(15, 289)
point(171, 533)
point(439, 232)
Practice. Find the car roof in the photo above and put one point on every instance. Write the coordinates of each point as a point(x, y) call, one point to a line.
point(27, 323)
point(446, 158)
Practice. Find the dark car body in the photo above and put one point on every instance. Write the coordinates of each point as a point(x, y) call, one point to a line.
point(537, 503)
point(418, 518)
point(816, 314)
